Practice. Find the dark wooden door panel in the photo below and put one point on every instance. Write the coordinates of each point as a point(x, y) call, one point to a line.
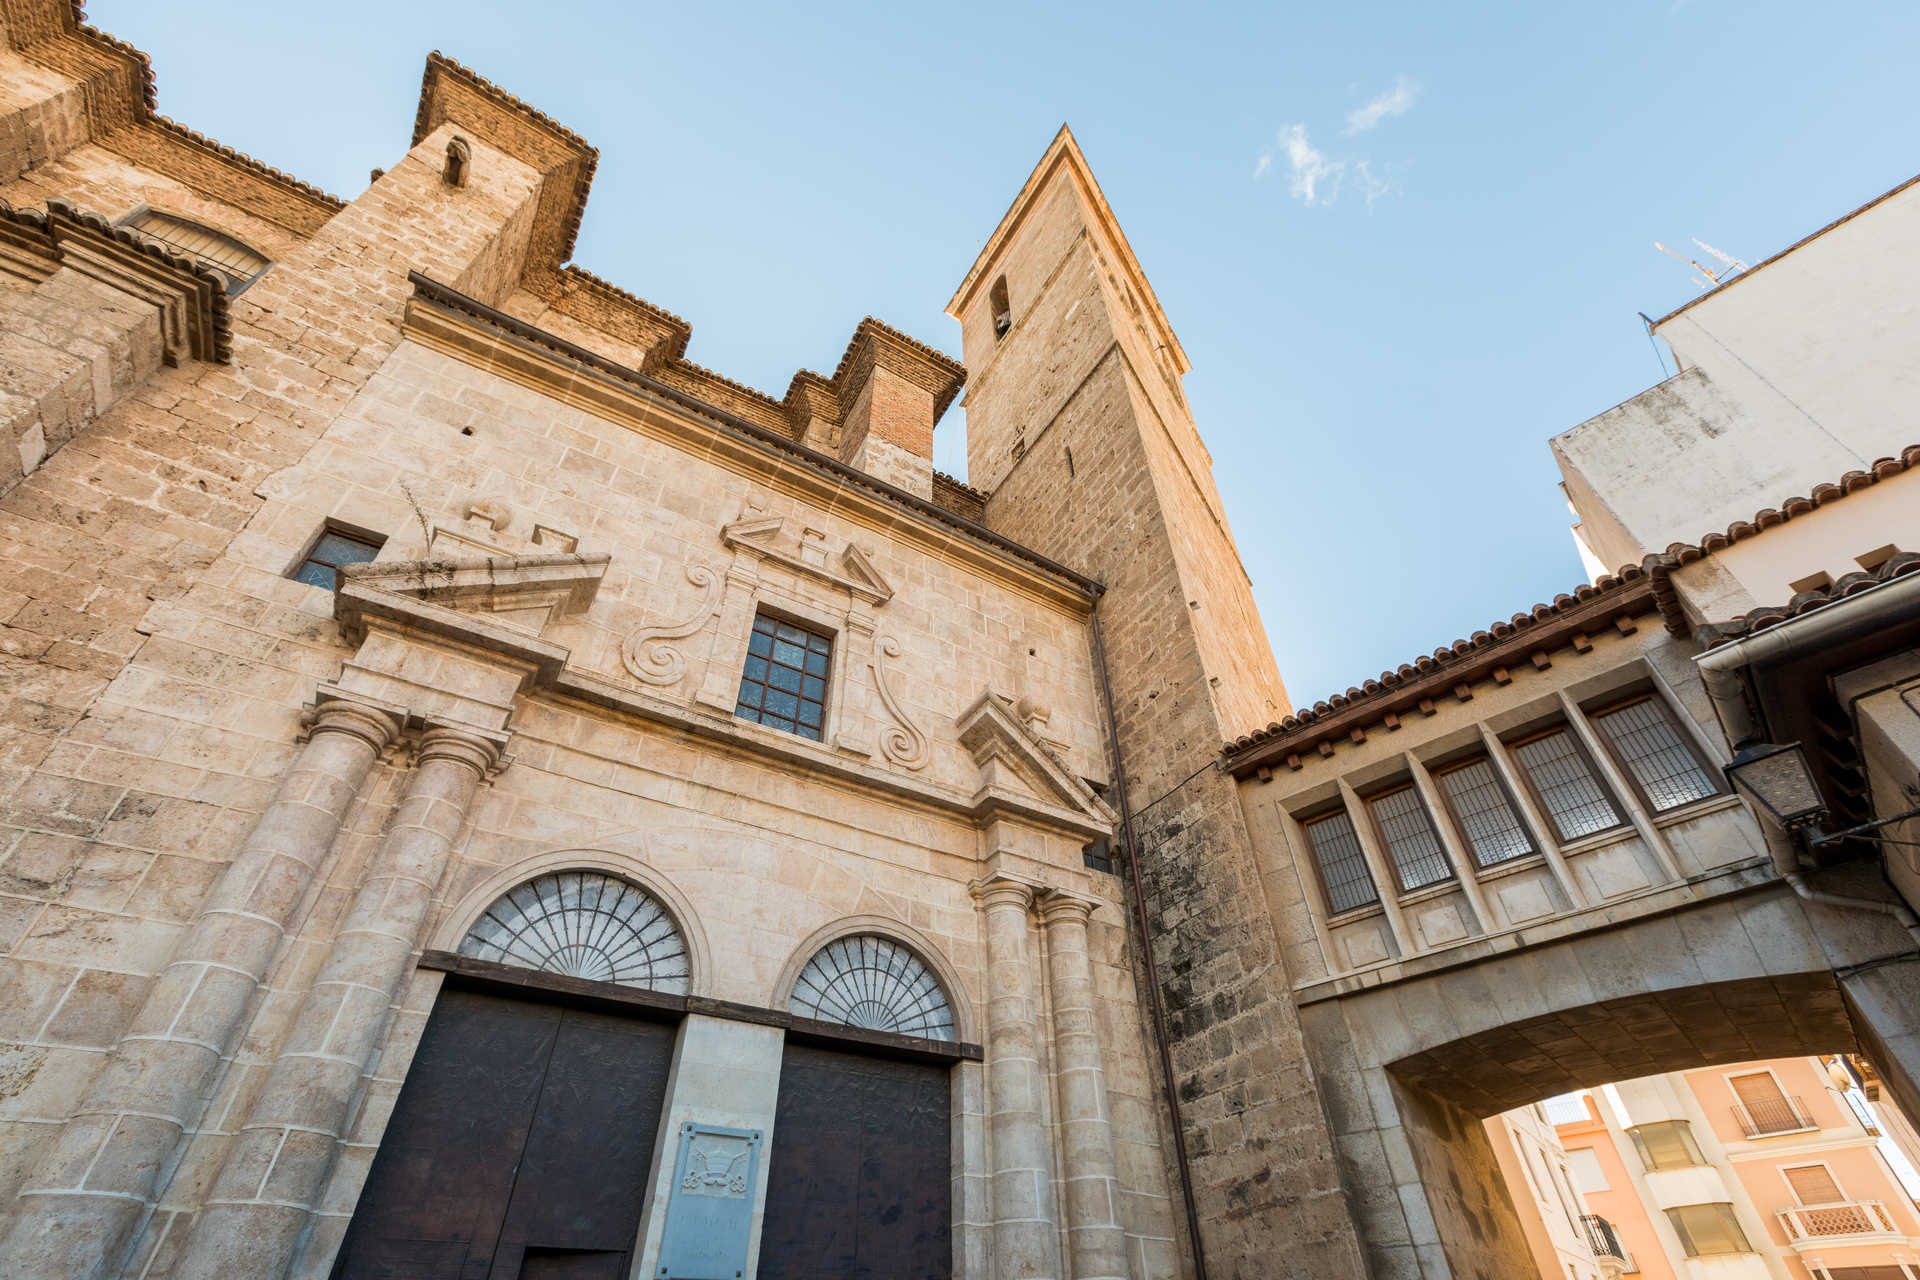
point(440, 1184)
point(859, 1180)
point(583, 1179)
point(520, 1146)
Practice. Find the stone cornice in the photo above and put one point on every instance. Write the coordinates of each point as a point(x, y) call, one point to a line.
point(466, 330)
point(452, 94)
point(195, 322)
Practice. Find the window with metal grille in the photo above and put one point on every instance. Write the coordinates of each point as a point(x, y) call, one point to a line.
point(1666, 1144)
point(1343, 867)
point(784, 684)
point(1649, 744)
point(238, 265)
point(333, 549)
point(1569, 791)
point(1486, 815)
point(1417, 856)
point(1813, 1184)
point(875, 983)
point(1707, 1229)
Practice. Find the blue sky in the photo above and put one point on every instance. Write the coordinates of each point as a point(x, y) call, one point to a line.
point(1388, 314)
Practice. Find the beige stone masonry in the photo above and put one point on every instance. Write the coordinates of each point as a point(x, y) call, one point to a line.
point(89, 1192)
point(265, 1190)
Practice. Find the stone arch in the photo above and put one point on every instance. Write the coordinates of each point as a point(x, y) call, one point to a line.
point(460, 917)
point(965, 1024)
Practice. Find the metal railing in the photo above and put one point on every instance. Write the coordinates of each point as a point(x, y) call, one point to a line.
point(1776, 1115)
point(1602, 1239)
point(1843, 1218)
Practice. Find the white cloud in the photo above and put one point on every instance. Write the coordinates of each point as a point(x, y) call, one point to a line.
point(1373, 188)
point(1394, 102)
point(1311, 177)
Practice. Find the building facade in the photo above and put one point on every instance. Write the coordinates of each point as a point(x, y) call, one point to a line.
point(450, 734)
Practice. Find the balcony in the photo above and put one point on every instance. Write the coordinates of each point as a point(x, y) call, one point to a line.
point(1773, 1117)
point(1605, 1244)
point(1826, 1222)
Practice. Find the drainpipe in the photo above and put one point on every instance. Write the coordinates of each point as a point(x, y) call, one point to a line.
point(1722, 667)
point(1146, 950)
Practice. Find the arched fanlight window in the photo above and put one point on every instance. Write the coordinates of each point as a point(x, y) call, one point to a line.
point(234, 262)
point(873, 983)
point(586, 925)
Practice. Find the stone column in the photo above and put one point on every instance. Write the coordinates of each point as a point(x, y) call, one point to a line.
point(1026, 1243)
point(1095, 1238)
point(83, 1201)
point(275, 1169)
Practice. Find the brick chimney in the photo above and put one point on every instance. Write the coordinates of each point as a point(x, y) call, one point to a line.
point(891, 392)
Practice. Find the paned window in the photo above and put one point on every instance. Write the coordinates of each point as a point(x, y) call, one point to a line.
point(1493, 829)
point(1569, 791)
point(1648, 742)
point(1589, 1175)
point(1417, 856)
point(232, 261)
point(874, 983)
point(585, 925)
point(1343, 867)
point(1666, 1144)
point(784, 685)
point(1707, 1229)
point(321, 567)
point(1813, 1184)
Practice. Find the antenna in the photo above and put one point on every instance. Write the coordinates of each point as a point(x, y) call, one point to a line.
point(1729, 264)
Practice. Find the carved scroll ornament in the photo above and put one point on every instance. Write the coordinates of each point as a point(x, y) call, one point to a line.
point(901, 742)
point(647, 653)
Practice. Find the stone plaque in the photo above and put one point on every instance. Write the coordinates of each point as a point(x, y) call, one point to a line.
point(710, 1206)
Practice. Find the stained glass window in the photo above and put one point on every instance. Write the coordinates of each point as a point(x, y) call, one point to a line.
point(586, 925)
point(784, 683)
point(876, 984)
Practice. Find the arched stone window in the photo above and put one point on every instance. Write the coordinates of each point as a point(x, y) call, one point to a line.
point(874, 983)
point(233, 261)
point(584, 924)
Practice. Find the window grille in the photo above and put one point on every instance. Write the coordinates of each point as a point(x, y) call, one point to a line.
point(1648, 742)
point(874, 983)
point(1666, 1144)
point(1417, 856)
point(322, 565)
point(1570, 793)
point(784, 684)
point(1493, 829)
point(1707, 1229)
point(238, 265)
point(1343, 867)
point(585, 925)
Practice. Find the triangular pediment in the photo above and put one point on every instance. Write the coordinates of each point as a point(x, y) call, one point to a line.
point(1019, 771)
point(851, 571)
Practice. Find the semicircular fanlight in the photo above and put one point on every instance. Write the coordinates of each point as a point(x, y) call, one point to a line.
point(586, 925)
point(876, 984)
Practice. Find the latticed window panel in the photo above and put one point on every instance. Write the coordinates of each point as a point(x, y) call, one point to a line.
point(1343, 867)
point(1573, 797)
point(784, 683)
point(876, 984)
point(585, 925)
point(1650, 745)
point(1493, 829)
point(238, 265)
point(1417, 856)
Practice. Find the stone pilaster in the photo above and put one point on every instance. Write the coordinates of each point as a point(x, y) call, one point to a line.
point(1026, 1242)
point(1096, 1240)
point(83, 1201)
point(277, 1166)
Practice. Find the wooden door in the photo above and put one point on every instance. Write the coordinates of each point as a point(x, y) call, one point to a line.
point(858, 1177)
point(519, 1148)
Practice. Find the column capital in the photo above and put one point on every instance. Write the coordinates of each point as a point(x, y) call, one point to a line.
point(482, 750)
point(1066, 906)
point(1002, 891)
point(335, 710)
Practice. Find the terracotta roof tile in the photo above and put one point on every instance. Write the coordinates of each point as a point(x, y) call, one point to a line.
point(1758, 620)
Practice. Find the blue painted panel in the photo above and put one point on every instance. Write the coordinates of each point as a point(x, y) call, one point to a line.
point(710, 1208)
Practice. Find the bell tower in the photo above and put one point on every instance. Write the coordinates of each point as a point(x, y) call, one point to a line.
point(1079, 430)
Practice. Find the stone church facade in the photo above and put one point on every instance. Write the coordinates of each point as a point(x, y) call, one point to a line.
point(483, 795)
